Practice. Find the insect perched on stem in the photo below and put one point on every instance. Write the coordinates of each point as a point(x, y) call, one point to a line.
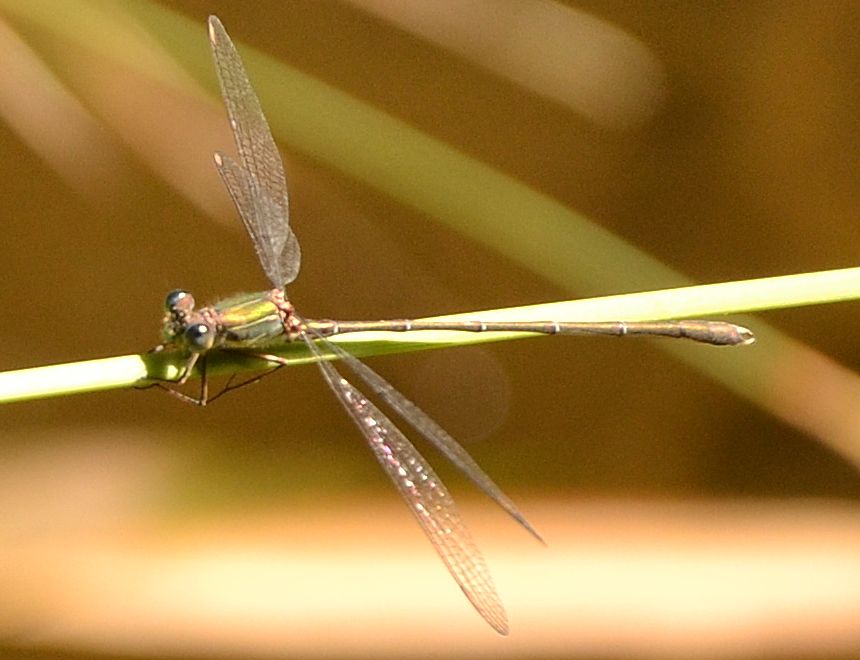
point(252, 324)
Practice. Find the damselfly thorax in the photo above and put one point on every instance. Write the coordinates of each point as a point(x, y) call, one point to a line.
point(243, 321)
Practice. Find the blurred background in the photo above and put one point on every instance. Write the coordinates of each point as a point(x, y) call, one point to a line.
point(442, 157)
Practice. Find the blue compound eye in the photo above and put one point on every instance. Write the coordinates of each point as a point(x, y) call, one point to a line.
point(199, 337)
point(179, 300)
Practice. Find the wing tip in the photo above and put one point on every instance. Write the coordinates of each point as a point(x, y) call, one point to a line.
point(489, 607)
point(215, 27)
point(496, 617)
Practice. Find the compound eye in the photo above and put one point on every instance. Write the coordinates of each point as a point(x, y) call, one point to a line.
point(199, 337)
point(179, 300)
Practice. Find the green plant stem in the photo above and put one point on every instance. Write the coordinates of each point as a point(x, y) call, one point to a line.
point(685, 302)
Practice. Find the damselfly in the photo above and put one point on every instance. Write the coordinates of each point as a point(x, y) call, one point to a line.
point(252, 324)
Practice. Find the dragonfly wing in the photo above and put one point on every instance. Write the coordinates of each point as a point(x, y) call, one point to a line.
point(276, 246)
point(423, 491)
point(258, 154)
point(439, 437)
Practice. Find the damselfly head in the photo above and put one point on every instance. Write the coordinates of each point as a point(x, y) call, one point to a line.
point(179, 301)
point(178, 306)
point(198, 337)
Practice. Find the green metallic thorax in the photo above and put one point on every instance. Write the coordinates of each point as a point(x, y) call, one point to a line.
point(248, 320)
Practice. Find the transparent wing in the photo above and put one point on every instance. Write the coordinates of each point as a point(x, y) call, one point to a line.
point(426, 495)
point(278, 252)
point(427, 427)
point(259, 157)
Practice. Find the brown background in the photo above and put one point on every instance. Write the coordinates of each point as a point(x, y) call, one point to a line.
point(747, 168)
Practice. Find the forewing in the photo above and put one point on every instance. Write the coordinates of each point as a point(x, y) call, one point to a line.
point(276, 246)
point(425, 425)
point(258, 154)
point(426, 495)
